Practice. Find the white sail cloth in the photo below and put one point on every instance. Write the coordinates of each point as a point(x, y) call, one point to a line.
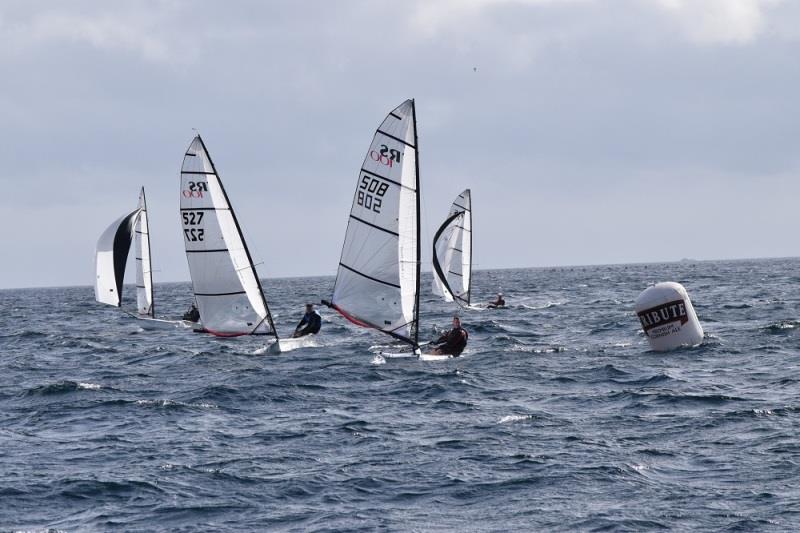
point(452, 253)
point(111, 256)
point(377, 282)
point(225, 283)
point(144, 269)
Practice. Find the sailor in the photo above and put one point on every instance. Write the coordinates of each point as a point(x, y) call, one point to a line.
point(499, 302)
point(452, 342)
point(193, 314)
point(311, 322)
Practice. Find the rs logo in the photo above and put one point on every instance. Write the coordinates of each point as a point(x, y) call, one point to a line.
point(195, 189)
point(386, 156)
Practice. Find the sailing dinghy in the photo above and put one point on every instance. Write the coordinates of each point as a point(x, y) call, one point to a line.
point(452, 253)
point(111, 257)
point(377, 282)
point(226, 287)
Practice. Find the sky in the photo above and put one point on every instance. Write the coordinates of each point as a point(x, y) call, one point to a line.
point(590, 131)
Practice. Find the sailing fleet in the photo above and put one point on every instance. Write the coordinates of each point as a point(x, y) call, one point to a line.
point(378, 278)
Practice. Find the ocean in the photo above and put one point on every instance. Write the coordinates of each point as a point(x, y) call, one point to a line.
point(558, 416)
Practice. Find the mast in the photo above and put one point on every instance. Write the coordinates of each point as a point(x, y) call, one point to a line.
point(419, 243)
point(241, 237)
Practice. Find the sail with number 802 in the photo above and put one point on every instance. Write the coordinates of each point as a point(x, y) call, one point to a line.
point(377, 283)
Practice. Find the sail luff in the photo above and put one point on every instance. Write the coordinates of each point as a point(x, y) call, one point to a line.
point(419, 241)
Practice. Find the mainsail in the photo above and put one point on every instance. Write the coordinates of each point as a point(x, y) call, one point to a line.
point(225, 282)
point(377, 284)
point(452, 253)
point(111, 256)
point(144, 272)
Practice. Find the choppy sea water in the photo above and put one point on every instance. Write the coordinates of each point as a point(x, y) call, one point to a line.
point(558, 417)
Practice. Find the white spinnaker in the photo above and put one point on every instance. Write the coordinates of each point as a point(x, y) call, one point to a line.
point(377, 284)
point(224, 280)
point(111, 256)
point(144, 269)
point(452, 253)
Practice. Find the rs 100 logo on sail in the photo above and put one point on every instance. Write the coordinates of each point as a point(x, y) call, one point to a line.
point(195, 189)
point(386, 156)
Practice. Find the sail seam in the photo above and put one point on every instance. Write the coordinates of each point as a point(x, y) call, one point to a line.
point(375, 226)
point(219, 293)
point(398, 139)
point(202, 172)
point(206, 251)
point(351, 269)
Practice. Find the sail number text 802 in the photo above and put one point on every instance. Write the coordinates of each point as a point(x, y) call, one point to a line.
point(370, 193)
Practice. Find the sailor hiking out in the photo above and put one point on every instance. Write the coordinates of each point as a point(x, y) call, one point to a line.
point(452, 342)
point(311, 322)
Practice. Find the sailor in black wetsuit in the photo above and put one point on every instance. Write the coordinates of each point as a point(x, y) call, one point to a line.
point(500, 302)
point(311, 323)
point(192, 315)
point(453, 342)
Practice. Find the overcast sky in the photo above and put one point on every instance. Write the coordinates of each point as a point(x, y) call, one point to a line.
point(590, 132)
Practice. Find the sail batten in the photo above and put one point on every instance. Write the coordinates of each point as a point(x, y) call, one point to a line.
point(377, 283)
point(452, 253)
point(225, 283)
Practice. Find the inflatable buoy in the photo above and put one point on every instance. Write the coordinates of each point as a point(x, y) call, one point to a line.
point(667, 317)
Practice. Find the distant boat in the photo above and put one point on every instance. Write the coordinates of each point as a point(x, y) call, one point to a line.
point(111, 257)
point(452, 253)
point(226, 287)
point(377, 283)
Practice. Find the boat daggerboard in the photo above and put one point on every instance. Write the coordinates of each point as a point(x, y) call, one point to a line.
point(144, 272)
point(452, 253)
point(111, 256)
point(225, 283)
point(377, 283)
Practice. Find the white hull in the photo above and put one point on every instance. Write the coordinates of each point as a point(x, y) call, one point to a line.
point(287, 345)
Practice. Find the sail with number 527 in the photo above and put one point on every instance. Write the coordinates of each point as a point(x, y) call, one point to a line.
point(452, 253)
point(377, 284)
point(225, 282)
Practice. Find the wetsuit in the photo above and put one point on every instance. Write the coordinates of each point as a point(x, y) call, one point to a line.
point(453, 342)
point(497, 303)
point(312, 322)
point(192, 315)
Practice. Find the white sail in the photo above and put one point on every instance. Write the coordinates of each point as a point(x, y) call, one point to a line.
point(377, 284)
point(111, 256)
point(144, 272)
point(452, 253)
point(226, 285)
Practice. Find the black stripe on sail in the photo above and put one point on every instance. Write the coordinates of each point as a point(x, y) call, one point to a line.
point(457, 250)
point(455, 274)
point(398, 139)
point(189, 154)
point(460, 206)
point(142, 232)
point(384, 178)
point(375, 226)
point(437, 267)
point(219, 293)
point(393, 114)
point(198, 172)
point(205, 208)
point(465, 229)
point(141, 287)
point(215, 250)
point(368, 277)
point(139, 259)
point(122, 245)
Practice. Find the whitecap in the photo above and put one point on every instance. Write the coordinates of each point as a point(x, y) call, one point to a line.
point(378, 360)
point(89, 386)
point(514, 418)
